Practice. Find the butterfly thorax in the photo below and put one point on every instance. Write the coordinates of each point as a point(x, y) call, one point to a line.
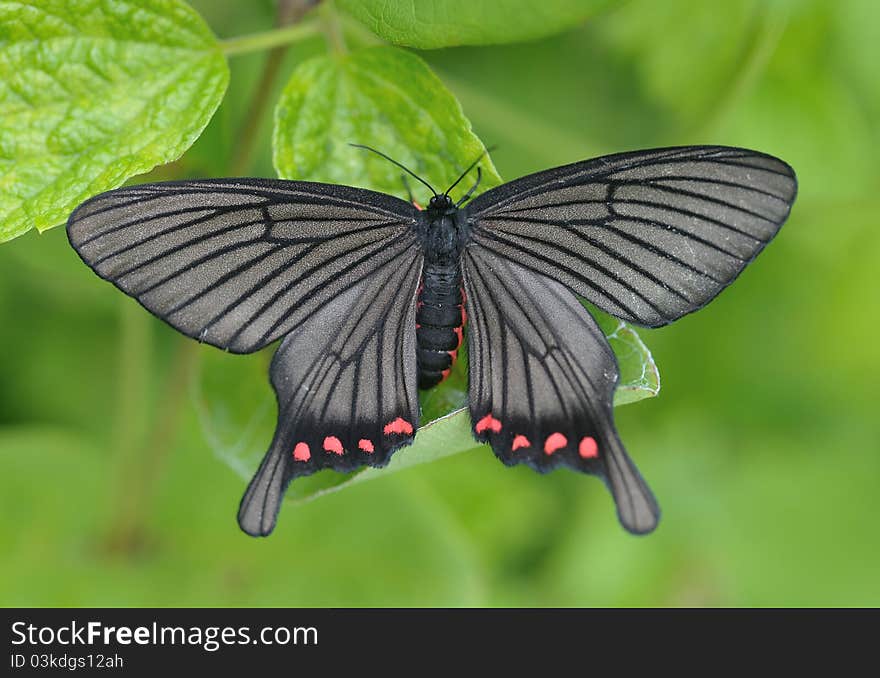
point(442, 231)
point(440, 315)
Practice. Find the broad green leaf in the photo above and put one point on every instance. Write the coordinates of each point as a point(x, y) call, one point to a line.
point(428, 24)
point(383, 97)
point(92, 93)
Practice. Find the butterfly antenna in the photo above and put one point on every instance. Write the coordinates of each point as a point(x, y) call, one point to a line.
point(467, 196)
point(401, 166)
point(486, 151)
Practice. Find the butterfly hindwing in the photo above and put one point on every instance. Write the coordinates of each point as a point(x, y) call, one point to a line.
point(238, 263)
point(542, 380)
point(346, 384)
point(646, 236)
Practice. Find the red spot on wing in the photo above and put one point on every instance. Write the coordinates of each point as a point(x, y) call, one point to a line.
point(399, 425)
point(588, 448)
point(520, 441)
point(333, 444)
point(555, 441)
point(366, 445)
point(301, 452)
point(488, 423)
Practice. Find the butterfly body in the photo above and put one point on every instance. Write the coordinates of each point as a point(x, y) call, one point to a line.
point(440, 314)
point(370, 295)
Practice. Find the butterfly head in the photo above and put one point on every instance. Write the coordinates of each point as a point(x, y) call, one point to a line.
point(441, 203)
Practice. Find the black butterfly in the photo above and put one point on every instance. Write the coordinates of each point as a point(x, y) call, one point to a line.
point(371, 296)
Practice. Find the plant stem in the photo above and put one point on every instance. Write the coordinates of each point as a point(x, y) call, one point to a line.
point(277, 37)
point(242, 158)
point(134, 368)
point(144, 461)
point(289, 12)
point(332, 28)
point(360, 33)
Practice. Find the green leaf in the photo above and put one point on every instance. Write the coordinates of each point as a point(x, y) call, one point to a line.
point(428, 24)
point(386, 98)
point(92, 93)
point(639, 376)
point(236, 406)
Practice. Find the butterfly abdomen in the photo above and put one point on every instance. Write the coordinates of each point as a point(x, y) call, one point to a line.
point(440, 320)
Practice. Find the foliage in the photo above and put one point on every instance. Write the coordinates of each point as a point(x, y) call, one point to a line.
point(387, 98)
point(429, 24)
point(92, 94)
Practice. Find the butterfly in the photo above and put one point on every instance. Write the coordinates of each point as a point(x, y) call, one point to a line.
point(370, 296)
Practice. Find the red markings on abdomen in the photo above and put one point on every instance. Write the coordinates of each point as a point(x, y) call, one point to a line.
point(399, 426)
point(463, 307)
point(488, 423)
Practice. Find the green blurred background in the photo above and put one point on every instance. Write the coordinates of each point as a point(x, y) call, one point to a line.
point(763, 446)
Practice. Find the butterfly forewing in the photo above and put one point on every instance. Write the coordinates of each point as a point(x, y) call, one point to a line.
point(542, 380)
point(238, 263)
point(647, 236)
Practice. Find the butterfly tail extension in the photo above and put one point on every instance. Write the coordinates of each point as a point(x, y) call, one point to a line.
point(637, 509)
point(261, 502)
